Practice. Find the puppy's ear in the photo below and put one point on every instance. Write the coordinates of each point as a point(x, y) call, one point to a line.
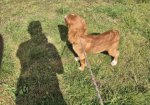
point(84, 24)
point(73, 35)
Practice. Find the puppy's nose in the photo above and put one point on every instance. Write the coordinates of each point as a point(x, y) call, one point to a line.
point(65, 16)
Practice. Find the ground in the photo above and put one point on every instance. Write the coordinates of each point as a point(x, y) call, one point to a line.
point(38, 66)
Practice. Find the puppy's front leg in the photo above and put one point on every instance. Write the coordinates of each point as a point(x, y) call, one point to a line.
point(77, 58)
point(80, 57)
point(82, 61)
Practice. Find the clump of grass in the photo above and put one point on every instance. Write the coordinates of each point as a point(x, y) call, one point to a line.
point(62, 10)
point(11, 26)
point(131, 1)
point(121, 1)
point(130, 20)
point(7, 65)
point(17, 11)
point(147, 33)
point(114, 11)
point(142, 1)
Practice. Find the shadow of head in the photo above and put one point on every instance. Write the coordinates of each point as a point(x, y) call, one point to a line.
point(35, 30)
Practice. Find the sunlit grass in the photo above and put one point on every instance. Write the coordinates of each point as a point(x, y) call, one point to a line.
point(40, 70)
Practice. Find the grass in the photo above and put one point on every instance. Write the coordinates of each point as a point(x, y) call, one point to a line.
point(38, 66)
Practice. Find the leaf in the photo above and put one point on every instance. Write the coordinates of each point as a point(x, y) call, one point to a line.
point(47, 92)
point(21, 92)
point(5, 85)
point(24, 89)
point(27, 89)
point(44, 96)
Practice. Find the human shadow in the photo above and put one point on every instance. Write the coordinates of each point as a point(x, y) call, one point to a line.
point(1, 49)
point(40, 61)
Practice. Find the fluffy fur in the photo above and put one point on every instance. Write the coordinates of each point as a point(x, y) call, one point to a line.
point(107, 41)
point(76, 25)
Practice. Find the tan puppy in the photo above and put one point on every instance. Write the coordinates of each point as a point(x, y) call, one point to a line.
point(107, 41)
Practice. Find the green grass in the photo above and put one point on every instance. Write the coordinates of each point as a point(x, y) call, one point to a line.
point(38, 66)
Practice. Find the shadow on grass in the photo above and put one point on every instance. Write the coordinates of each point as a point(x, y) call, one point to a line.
point(63, 30)
point(1, 49)
point(40, 61)
point(94, 33)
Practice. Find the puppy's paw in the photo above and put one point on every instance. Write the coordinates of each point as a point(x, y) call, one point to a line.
point(80, 69)
point(113, 63)
point(76, 58)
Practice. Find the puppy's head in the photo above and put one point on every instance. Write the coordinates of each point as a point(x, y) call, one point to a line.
point(76, 21)
point(76, 26)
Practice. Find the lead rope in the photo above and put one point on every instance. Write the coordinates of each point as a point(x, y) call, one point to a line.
point(99, 97)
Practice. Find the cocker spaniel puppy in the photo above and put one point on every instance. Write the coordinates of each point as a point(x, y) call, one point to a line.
point(107, 41)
